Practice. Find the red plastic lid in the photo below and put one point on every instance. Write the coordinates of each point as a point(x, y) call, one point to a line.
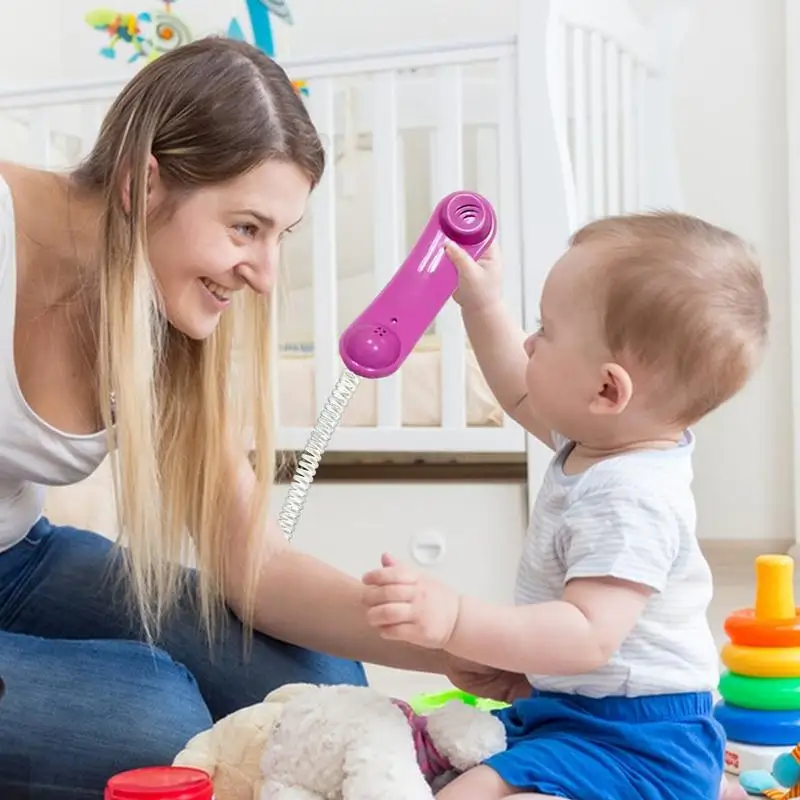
point(160, 783)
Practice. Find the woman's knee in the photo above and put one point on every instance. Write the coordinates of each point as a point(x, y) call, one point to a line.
point(164, 711)
point(77, 712)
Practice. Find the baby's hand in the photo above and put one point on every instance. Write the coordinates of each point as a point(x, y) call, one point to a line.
point(409, 606)
point(480, 283)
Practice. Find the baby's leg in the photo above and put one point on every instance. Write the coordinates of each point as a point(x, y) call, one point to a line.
point(483, 783)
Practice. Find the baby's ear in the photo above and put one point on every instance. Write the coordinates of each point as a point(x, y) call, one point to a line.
point(615, 390)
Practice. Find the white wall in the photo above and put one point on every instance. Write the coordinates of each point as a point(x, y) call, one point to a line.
point(730, 121)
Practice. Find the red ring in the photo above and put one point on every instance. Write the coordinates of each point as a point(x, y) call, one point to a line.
point(743, 628)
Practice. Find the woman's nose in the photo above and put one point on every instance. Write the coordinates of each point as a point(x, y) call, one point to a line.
point(530, 345)
point(260, 272)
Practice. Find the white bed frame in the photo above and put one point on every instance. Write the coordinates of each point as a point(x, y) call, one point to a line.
point(580, 109)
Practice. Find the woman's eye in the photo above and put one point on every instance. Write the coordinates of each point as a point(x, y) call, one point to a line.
point(247, 229)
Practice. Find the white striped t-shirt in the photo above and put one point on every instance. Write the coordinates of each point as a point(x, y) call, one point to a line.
point(631, 517)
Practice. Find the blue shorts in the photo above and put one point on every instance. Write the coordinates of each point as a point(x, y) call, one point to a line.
point(663, 747)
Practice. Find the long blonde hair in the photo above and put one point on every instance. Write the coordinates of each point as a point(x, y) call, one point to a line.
point(208, 111)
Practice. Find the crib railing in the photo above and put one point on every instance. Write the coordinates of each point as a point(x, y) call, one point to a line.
point(612, 93)
point(444, 95)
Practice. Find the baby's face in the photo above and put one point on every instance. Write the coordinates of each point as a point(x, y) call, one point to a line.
point(567, 352)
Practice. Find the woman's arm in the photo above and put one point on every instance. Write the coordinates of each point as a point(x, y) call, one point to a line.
point(303, 601)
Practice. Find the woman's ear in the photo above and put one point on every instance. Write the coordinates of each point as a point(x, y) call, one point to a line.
point(615, 391)
point(154, 187)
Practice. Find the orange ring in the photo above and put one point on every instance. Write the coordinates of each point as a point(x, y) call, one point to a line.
point(744, 628)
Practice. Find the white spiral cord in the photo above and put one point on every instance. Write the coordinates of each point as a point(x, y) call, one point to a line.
point(317, 443)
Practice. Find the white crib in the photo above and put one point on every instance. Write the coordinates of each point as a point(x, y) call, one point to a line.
point(565, 121)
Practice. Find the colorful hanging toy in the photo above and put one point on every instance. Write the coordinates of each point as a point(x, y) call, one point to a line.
point(148, 33)
point(151, 33)
point(259, 12)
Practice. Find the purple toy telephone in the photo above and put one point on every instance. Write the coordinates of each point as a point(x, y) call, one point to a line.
point(378, 342)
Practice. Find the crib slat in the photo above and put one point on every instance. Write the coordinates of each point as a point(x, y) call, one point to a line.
point(579, 115)
point(629, 170)
point(449, 169)
point(596, 118)
point(41, 140)
point(612, 128)
point(386, 242)
point(323, 246)
point(508, 210)
point(508, 169)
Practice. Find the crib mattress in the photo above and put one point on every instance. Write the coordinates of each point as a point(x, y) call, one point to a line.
point(421, 396)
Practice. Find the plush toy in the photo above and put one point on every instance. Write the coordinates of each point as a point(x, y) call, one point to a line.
point(309, 742)
point(780, 784)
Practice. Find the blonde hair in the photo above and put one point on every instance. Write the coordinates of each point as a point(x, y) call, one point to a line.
point(685, 300)
point(208, 111)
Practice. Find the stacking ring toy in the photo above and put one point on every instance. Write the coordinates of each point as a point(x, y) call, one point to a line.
point(775, 621)
point(765, 728)
point(762, 662)
point(771, 694)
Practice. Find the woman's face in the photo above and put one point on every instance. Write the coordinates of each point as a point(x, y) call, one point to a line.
point(222, 239)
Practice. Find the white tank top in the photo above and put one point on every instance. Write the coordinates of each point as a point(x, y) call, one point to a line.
point(33, 454)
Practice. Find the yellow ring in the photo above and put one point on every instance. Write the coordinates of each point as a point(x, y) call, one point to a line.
point(762, 662)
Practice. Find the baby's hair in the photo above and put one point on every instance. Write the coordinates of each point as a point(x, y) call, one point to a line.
point(684, 299)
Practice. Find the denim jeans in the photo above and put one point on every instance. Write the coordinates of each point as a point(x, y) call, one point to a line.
point(85, 698)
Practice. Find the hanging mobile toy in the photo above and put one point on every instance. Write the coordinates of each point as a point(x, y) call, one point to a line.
point(378, 342)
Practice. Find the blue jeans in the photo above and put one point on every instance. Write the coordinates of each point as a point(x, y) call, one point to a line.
point(86, 699)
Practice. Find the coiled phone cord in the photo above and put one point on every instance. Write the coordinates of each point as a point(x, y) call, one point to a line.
point(327, 422)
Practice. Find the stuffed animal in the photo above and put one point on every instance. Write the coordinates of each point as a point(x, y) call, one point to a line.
point(782, 783)
point(306, 742)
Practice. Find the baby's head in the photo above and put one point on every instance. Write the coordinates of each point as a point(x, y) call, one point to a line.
point(648, 323)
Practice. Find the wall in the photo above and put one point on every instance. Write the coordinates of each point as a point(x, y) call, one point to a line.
point(730, 125)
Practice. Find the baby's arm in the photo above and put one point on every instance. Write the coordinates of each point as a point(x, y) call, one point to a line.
point(617, 547)
point(571, 636)
point(498, 341)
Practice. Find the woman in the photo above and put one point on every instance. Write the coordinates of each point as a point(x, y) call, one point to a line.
point(123, 288)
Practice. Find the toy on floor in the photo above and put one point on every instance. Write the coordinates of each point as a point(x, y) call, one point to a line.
point(760, 706)
point(782, 783)
point(160, 783)
point(431, 701)
point(340, 743)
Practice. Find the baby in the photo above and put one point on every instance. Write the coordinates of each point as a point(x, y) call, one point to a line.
point(648, 323)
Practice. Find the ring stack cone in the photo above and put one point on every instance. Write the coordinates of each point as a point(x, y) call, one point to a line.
point(760, 687)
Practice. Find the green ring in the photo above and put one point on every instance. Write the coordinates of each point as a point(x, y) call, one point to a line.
point(763, 694)
point(430, 701)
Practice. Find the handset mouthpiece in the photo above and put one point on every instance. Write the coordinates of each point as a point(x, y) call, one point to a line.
point(378, 342)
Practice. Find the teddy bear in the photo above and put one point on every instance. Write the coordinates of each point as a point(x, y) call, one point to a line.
point(309, 742)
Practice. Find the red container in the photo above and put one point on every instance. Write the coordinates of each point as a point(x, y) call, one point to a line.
point(160, 783)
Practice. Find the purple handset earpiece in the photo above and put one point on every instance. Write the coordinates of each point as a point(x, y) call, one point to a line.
point(380, 339)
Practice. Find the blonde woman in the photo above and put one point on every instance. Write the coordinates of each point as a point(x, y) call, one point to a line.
point(124, 288)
